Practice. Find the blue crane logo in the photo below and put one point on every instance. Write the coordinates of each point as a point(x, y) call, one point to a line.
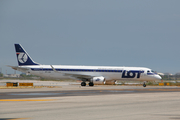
point(22, 57)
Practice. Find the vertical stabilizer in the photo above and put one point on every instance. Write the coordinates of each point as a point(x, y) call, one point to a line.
point(22, 56)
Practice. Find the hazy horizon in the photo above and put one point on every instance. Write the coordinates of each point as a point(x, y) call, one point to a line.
point(95, 33)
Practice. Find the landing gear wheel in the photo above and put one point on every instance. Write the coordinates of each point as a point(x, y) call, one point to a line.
point(144, 85)
point(83, 84)
point(91, 84)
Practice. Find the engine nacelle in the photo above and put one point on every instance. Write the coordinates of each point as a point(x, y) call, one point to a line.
point(98, 80)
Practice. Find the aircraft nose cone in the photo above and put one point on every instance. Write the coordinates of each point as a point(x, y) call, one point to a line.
point(158, 77)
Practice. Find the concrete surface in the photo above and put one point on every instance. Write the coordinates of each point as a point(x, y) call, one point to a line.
point(155, 104)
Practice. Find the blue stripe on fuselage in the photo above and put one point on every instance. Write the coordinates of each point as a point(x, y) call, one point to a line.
point(151, 74)
point(75, 70)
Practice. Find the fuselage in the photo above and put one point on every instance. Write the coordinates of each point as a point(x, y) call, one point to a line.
point(108, 72)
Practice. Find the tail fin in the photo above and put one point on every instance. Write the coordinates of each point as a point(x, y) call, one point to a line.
point(22, 56)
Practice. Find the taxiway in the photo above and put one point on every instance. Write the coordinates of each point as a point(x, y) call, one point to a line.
point(71, 101)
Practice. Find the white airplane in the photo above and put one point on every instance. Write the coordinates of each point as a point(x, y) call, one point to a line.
point(92, 74)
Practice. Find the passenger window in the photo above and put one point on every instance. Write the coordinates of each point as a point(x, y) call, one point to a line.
point(148, 71)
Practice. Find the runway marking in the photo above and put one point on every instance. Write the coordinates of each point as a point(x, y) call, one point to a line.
point(26, 100)
point(13, 118)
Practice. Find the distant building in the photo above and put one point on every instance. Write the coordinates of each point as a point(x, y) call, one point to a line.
point(177, 73)
point(26, 73)
point(168, 74)
point(161, 74)
point(12, 75)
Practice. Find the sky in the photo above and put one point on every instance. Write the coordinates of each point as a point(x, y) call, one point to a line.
point(138, 33)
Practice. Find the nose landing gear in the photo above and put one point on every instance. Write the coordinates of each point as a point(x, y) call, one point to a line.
point(144, 84)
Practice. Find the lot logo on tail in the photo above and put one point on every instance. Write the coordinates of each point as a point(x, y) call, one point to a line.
point(22, 57)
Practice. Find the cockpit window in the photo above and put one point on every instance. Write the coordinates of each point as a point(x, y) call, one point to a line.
point(152, 71)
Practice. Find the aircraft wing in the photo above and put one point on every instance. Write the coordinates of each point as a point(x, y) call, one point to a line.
point(78, 76)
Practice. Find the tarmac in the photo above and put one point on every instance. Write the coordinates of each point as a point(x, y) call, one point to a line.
point(68, 100)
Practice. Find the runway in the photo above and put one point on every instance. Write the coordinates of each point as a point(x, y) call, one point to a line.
point(86, 103)
point(63, 93)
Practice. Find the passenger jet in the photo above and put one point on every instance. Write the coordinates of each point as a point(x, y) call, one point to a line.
point(91, 74)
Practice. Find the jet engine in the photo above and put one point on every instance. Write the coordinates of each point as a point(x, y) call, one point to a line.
point(98, 80)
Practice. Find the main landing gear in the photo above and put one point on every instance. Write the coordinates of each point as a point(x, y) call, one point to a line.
point(84, 84)
point(91, 84)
